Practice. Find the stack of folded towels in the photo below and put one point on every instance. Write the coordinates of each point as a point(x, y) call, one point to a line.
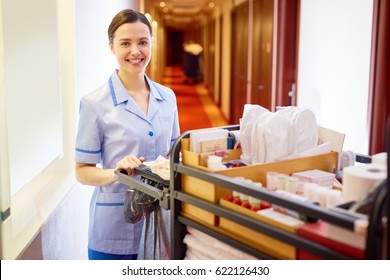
point(201, 246)
point(270, 136)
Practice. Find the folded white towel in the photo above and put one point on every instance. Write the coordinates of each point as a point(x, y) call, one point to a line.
point(276, 135)
point(161, 167)
point(192, 254)
point(249, 117)
point(205, 251)
point(270, 138)
point(217, 249)
point(306, 130)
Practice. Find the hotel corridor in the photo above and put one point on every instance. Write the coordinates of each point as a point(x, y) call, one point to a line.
point(196, 108)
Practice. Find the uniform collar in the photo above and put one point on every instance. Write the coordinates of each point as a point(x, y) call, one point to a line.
point(119, 93)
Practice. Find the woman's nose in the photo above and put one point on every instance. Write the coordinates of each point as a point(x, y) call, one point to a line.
point(134, 49)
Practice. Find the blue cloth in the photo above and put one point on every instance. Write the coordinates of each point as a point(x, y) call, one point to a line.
point(94, 255)
point(111, 126)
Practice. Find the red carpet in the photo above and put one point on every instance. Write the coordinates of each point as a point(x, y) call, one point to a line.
point(191, 112)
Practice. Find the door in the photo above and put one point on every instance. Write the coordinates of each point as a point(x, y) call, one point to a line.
point(239, 61)
point(261, 87)
point(286, 53)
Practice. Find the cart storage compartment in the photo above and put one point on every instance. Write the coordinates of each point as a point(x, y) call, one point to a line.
point(257, 173)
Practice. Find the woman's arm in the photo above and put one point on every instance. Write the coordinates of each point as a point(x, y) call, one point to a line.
point(90, 174)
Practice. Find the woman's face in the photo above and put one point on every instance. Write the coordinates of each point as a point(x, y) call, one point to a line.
point(132, 47)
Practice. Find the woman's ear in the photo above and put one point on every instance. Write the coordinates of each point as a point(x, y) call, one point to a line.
point(112, 47)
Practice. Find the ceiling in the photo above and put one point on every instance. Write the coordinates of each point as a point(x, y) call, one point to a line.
point(184, 14)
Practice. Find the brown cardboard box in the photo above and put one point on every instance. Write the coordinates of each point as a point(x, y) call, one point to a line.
point(199, 188)
point(257, 173)
point(256, 239)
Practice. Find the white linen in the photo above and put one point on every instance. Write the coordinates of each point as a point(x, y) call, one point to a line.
point(204, 247)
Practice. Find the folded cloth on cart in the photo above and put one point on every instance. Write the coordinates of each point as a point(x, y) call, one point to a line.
point(270, 136)
point(197, 241)
point(160, 167)
point(250, 114)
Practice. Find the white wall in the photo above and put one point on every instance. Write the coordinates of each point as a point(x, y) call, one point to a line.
point(76, 33)
point(334, 64)
point(38, 101)
point(32, 88)
point(95, 61)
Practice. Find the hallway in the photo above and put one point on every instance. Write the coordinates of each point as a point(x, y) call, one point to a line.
point(196, 108)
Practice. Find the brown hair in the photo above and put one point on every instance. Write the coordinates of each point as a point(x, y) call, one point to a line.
point(127, 16)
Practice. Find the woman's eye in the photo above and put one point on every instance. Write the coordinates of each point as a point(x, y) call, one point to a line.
point(143, 43)
point(125, 44)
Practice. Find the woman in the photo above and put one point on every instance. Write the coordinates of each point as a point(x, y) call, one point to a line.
point(126, 121)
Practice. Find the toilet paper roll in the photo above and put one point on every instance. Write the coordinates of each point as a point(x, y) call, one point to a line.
point(358, 180)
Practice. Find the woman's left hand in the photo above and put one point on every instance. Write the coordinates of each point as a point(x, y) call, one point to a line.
point(128, 163)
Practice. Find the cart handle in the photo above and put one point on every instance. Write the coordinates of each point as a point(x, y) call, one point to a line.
point(161, 195)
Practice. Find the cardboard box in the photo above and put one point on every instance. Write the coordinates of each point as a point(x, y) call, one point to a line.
point(256, 239)
point(199, 188)
point(257, 173)
point(200, 160)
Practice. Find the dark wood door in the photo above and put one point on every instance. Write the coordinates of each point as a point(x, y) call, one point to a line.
point(239, 61)
point(379, 78)
point(286, 52)
point(174, 50)
point(261, 89)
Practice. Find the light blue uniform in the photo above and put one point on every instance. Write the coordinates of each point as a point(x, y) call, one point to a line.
point(111, 126)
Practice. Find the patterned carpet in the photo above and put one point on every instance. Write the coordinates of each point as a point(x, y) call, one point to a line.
point(196, 108)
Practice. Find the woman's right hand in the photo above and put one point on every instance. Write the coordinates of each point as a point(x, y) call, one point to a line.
point(128, 163)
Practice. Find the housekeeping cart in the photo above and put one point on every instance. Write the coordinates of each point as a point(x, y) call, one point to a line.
point(194, 195)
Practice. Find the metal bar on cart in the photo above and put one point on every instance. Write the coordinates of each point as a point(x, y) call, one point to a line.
point(340, 219)
point(263, 227)
point(161, 195)
point(387, 250)
point(178, 230)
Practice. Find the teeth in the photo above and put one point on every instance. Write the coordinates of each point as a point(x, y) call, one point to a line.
point(135, 60)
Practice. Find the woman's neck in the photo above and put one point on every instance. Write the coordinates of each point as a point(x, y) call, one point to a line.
point(133, 82)
point(137, 87)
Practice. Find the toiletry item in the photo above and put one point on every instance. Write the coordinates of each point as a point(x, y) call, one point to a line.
point(334, 197)
point(281, 181)
point(309, 190)
point(215, 163)
point(272, 180)
point(293, 213)
point(292, 184)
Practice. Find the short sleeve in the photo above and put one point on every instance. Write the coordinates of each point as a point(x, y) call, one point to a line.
point(89, 138)
point(176, 128)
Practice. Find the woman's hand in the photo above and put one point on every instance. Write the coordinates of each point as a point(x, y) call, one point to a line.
point(128, 163)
